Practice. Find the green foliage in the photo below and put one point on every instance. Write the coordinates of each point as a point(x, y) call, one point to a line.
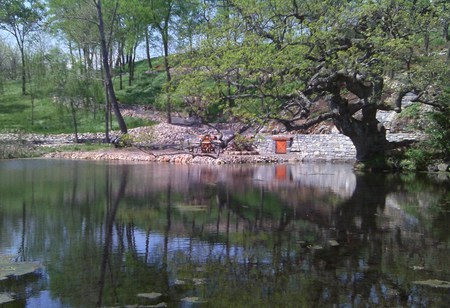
point(260, 59)
point(75, 20)
point(411, 112)
point(415, 159)
point(20, 18)
point(17, 149)
point(51, 117)
point(146, 90)
point(242, 60)
point(243, 143)
point(439, 131)
point(124, 141)
point(435, 148)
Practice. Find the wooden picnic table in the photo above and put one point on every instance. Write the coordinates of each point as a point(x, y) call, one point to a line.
point(205, 144)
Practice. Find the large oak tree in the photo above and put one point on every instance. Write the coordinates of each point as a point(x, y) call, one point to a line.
point(275, 60)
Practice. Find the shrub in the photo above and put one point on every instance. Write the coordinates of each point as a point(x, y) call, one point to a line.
point(17, 149)
point(243, 143)
point(439, 132)
point(436, 148)
point(123, 141)
point(415, 159)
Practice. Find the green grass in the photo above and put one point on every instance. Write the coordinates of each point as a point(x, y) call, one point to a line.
point(49, 117)
point(146, 86)
point(22, 149)
point(12, 110)
point(78, 147)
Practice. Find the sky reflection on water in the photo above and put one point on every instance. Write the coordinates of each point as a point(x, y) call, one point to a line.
point(279, 236)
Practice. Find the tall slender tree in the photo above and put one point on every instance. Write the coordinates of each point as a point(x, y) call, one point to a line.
point(69, 17)
point(163, 16)
point(131, 32)
point(107, 68)
point(20, 18)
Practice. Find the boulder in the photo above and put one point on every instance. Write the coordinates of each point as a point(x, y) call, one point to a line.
point(443, 167)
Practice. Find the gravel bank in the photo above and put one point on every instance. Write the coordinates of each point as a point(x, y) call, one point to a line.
point(162, 134)
point(133, 154)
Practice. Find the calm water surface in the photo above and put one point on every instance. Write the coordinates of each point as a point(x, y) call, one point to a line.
point(305, 235)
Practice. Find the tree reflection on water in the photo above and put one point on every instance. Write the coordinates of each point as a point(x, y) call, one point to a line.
point(278, 236)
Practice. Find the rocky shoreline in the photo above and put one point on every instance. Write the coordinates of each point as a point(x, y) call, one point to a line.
point(163, 142)
point(162, 133)
point(144, 139)
point(136, 155)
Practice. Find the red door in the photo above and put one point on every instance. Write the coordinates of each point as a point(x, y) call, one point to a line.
point(280, 146)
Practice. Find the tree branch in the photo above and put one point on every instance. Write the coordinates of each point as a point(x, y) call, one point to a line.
point(290, 126)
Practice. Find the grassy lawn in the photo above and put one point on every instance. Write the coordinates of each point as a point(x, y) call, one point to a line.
point(49, 117)
point(12, 110)
point(45, 115)
point(146, 86)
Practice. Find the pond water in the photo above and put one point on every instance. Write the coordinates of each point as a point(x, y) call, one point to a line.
point(303, 235)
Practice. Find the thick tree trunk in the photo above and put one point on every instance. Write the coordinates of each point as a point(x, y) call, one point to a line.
point(369, 140)
point(106, 66)
point(357, 120)
point(365, 131)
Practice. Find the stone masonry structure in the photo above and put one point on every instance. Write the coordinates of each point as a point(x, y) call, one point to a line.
point(324, 147)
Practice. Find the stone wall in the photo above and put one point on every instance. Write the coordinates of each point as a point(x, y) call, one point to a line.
point(325, 147)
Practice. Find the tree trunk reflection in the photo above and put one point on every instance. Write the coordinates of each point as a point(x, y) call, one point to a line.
point(112, 204)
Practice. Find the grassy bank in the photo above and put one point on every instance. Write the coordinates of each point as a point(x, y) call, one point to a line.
point(21, 113)
point(24, 149)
